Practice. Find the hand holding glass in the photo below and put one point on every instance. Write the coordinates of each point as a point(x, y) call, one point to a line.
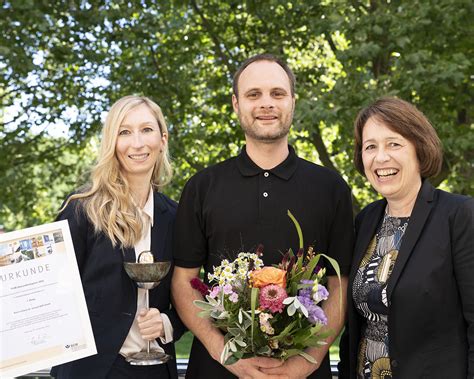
point(147, 274)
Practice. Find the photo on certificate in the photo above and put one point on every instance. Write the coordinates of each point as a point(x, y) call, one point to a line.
point(44, 319)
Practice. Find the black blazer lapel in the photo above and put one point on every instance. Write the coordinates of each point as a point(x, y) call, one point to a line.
point(162, 218)
point(365, 233)
point(421, 211)
point(127, 254)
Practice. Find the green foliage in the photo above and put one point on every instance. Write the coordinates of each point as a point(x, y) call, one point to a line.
point(65, 62)
point(183, 347)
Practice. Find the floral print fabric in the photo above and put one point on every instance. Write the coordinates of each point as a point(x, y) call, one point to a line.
point(370, 297)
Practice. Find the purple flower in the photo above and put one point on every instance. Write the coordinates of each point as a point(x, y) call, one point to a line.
point(306, 291)
point(307, 298)
point(316, 314)
point(321, 294)
point(315, 291)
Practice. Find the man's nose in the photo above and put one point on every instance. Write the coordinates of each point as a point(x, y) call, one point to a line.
point(266, 102)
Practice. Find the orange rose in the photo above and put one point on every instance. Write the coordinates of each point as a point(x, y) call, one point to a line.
point(268, 275)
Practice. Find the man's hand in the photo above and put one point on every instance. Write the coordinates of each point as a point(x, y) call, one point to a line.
point(294, 368)
point(150, 324)
point(251, 368)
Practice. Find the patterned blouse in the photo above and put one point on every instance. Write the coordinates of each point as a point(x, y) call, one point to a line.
point(370, 297)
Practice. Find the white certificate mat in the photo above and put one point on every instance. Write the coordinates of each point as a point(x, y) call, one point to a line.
point(43, 312)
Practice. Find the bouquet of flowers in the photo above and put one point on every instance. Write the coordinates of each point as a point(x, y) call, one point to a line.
point(267, 311)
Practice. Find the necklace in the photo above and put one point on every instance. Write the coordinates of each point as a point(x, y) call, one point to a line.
point(389, 238)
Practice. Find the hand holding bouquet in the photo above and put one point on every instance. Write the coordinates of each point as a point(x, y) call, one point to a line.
point(267, 311)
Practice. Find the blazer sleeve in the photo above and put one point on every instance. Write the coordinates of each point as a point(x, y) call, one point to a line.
point(78, 225)
point(462, 232)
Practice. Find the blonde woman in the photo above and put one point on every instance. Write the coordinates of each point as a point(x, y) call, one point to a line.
point(119, 214)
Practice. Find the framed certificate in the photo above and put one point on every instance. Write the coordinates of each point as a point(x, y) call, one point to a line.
point(43, 319)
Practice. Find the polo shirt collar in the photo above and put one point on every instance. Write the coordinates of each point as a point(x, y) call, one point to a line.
point(284, 170)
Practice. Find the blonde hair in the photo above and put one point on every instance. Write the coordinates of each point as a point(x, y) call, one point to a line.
point(107, 199)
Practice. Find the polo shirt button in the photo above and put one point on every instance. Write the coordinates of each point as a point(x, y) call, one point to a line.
point(265, 194)
point(394, 363)
point(266, 174)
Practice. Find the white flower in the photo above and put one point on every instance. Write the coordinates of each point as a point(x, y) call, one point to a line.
point(294, 305)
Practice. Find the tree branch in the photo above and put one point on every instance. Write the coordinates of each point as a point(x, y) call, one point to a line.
point(217, 43)
point(331, 43)
point(316, 140)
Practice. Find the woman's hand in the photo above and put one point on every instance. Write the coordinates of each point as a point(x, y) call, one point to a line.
point(150, 324)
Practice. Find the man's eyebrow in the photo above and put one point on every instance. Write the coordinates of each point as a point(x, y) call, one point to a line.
point(272, 89)
point(253, 89)
point(279, 89)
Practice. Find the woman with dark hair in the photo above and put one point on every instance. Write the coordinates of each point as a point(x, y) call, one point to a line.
point(115, 217)
point(411, 287)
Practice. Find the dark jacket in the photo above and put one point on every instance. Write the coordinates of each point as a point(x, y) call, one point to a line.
point(111, 295)
point(430, 291)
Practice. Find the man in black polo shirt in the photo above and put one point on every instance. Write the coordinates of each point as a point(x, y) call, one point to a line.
point(240, 203)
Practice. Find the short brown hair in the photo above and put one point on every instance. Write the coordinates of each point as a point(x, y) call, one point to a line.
point(406, 120)
point(263, 57)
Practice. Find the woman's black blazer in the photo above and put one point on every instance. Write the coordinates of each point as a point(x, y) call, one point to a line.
point(111, 295)
point(431, 290)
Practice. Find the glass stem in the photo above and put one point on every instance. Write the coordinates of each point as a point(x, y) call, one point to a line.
point(147, 302)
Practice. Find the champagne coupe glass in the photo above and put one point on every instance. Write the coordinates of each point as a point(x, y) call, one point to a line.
point(147, 274)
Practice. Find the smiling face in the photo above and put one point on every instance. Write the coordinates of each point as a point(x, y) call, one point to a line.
point(265, 104)
point(390, 162)
point(139, 143)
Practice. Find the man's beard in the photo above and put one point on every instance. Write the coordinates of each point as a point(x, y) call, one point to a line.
point(255, 132)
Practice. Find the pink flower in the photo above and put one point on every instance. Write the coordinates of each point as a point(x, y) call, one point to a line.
point(234, 297)
point(227, 289)
point(215, 291)
point(271, 298)
point(265, 326)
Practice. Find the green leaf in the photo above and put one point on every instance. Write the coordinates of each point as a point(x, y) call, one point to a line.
point(308, 357)
point(234, 331)
point(240, 343)
point(253, 305)
point(335, 265)
point(204, 314)
point(225, 353)
point(203, 305)
point(287, 330)
point(298, 229)
point(231, 360)
point(310, 267)
point(264, 350)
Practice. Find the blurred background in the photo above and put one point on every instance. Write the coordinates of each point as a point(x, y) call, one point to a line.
point(63, 63)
